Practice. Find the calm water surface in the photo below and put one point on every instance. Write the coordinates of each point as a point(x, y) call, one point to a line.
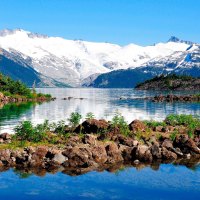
point(102, 102)
point(167, 182)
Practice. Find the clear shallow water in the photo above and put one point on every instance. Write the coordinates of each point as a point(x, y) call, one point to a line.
point(167, 182)
point(102, 102)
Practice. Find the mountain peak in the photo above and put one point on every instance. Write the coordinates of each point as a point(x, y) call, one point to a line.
point(173, 39)
point(177, 40)
point(6, 32)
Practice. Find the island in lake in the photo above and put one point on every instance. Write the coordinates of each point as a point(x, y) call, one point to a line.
point(170, 82)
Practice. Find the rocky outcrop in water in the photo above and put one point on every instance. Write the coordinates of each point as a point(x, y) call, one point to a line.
point(174, 98)
point(170, 82)
point(10, 99)
point(93, 150)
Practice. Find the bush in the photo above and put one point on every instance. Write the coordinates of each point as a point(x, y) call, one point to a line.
point(119, 121)
point(10, 87)
point(173, 135)
point(60, 127)
point(26, 131)
point(153, 124)
point(89, 116)
point(74, 119)
point(187, 120)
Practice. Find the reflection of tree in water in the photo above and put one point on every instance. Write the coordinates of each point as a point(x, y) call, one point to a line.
point(10, 111)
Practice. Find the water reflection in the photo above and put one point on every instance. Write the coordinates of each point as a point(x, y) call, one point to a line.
point(102, 102)
point(115, 182)
point(192, 164)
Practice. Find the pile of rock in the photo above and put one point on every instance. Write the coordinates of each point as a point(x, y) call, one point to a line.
point(8, 99)
point(176, 98)
point(94, 150)
point(5, 138)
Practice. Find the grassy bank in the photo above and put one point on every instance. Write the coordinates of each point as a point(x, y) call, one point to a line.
point(17, 89)
point(26, 134)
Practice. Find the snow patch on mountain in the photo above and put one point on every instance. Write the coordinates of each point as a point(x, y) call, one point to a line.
point(72, 61)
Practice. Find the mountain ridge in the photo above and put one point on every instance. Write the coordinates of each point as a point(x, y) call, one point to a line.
point(73, 62)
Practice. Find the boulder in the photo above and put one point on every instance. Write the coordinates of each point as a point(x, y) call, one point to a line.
point(126, 152)
point(5, 136)
point(192, 146)
point(5, 155)
point(143, 153)
point(59, 158)
point(158, 128)
point(89, 139)
point(156, 151)
point(167, 144)
point(99, 154)
point(181, 139)
point(137, 125)
point(113, 153)
point(77, 157)
point(168, 155)
point(37, 158)
point(92, 126)
point(121, 139)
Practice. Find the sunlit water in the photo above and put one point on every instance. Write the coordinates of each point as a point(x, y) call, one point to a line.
point(104, 103)
point(168, 182)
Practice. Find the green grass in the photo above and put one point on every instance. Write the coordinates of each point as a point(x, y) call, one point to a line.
point(119, 121)
point(27, 134)
point(189, 121)
point(153, 124)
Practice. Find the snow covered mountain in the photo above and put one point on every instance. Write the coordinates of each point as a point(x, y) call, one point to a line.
point(57, 61)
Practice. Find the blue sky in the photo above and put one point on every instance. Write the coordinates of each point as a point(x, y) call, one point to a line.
point(117, 21)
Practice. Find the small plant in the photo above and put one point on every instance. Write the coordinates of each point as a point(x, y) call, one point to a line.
point(158, 136)
point(119, 121)
point(173, 135)
point(27, 132)
point(74, 119)
point(187, 120)
point(153, 124)
point(89, 116)
point(59, 127)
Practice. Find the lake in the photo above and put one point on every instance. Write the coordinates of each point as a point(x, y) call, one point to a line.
point(104, 103)
point(167, 181)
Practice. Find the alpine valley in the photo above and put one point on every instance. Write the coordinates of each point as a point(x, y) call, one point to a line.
point(57, 62)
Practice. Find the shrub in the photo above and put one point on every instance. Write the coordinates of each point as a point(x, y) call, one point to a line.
point(26, 131)
point(187, 120)
point(60, 127)
point(119, 121)
point(74, 119)
point(48, 96)
point(173, 135)
point(153, 124)
point(89, 116)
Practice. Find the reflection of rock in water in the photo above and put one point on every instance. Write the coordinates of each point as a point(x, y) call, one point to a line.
point(192, 164)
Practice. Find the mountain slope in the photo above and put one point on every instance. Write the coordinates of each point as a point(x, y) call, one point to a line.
point(73, 61)
point(180, 62)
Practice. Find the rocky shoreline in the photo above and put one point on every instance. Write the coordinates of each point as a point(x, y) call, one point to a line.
point(174, 98)
point(10, 99)
point(98, 147)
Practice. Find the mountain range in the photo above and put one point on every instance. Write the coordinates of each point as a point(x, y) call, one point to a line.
point(57, 62)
